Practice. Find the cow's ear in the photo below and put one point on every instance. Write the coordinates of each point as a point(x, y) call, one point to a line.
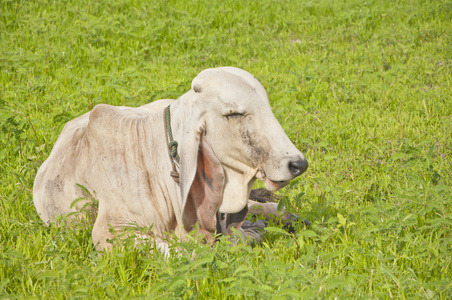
point(205, 191)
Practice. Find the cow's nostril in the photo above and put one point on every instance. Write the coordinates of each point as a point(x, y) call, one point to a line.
point(298, 167)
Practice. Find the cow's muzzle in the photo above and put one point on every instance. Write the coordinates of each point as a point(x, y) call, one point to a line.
point(298, 167)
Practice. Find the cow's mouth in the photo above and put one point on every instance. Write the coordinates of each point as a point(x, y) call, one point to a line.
point(274, 185)
point(271, 185)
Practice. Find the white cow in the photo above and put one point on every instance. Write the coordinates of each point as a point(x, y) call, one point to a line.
point(227, 137)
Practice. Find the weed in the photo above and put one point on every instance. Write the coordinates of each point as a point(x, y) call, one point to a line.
point(363, 89)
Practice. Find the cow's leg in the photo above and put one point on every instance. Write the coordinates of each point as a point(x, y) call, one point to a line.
point(101, 234)
point(238, 229)
point(262, 203)
point(249, 233)
point(269, 211)
point(253, 231)
point(104, 237)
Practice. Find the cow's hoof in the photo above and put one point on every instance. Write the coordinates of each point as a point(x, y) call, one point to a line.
point(291, 224)
point(259, 224)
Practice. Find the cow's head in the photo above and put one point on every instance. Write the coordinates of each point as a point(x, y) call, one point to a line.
point(231, 109)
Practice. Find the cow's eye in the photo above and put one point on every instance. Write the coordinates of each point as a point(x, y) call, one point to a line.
point(234, 115)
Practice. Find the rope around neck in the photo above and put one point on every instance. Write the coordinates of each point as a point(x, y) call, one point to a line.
point(172, 144)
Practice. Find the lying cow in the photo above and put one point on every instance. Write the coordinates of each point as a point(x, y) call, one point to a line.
point(171, 164)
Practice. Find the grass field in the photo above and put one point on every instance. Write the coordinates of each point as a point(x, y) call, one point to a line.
point(363, 88)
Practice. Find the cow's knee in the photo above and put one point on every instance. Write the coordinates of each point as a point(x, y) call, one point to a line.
point(249, 233)
point(101, 235)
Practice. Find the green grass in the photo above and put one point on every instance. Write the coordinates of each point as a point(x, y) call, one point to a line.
point(362, 88)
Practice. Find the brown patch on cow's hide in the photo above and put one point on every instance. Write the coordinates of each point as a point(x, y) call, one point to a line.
point(53, 188)
point(206, 191)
